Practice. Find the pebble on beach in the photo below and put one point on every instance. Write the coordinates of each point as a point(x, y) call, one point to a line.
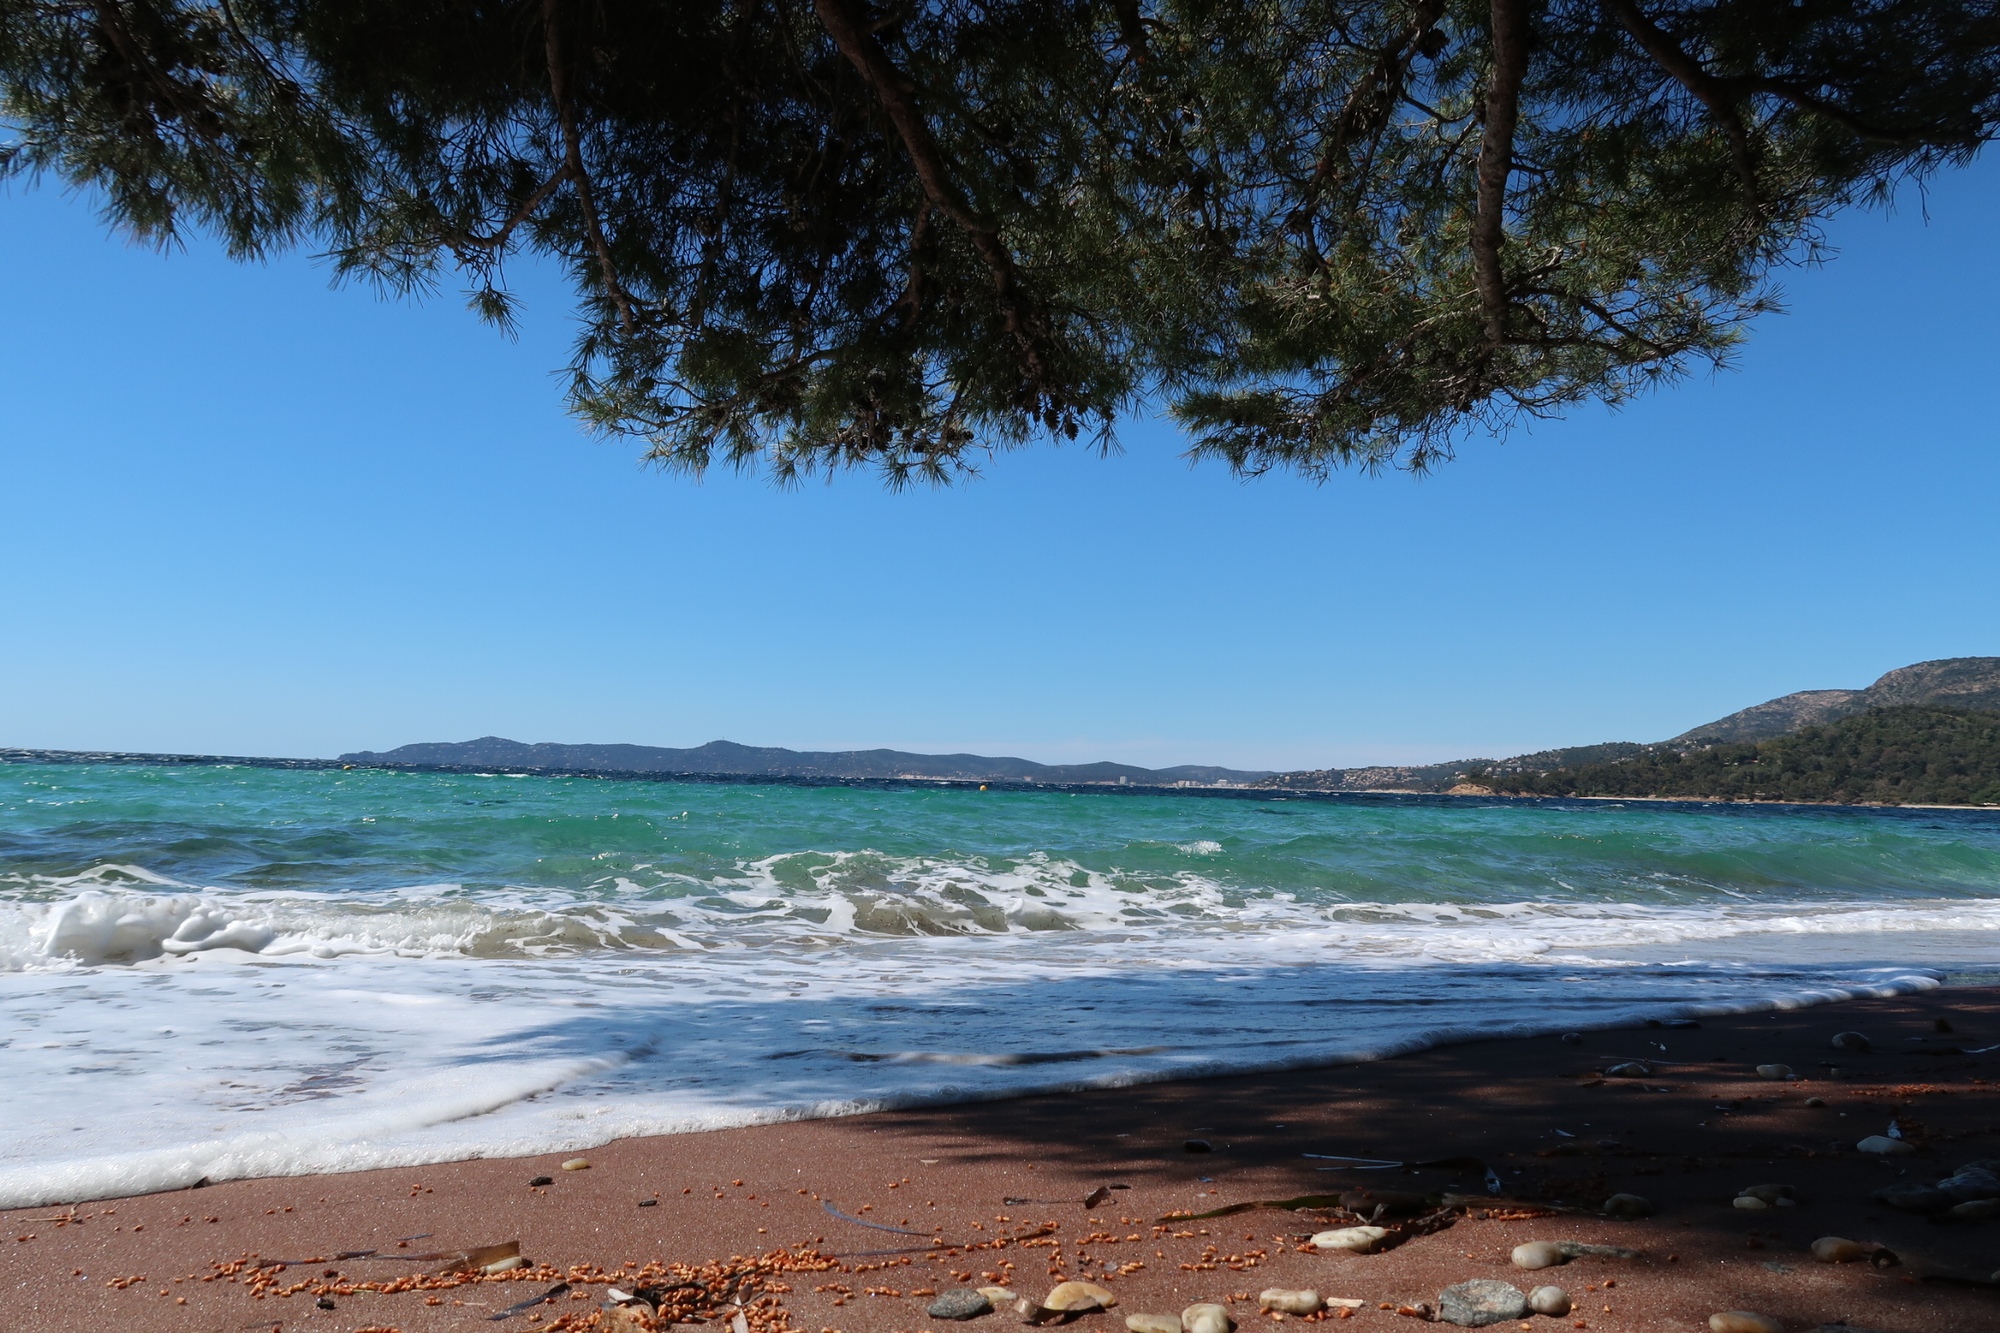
point(1884, 1145)
point(1480, 1302)
point(1743, 1321)
point(1976, 1210)
point(1852, 1041)
point(1750, 1201)
point(1572, 1039)
point(577, 1164)
point(1539, 1254)
point(998, 1295)
point(1914, 1198)
point(1629, 1069)
point(960, 1304)
point(1780, 1072)
point(1549, 1301)
point(1772, 1194)
point(1360, 1240)
point(1290, 1302)
point(1197, 1145)
point(1628, 1205)
point(1838, 1250)
point(1153, 1323)
point(1079, 1296)
point(1576, 1249)
point(1971, 1182)
point(1206, 1318)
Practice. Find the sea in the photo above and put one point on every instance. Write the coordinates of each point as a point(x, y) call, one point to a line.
point(211, 972)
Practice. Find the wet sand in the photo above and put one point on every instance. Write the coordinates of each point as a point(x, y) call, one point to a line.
point(1687, 1138)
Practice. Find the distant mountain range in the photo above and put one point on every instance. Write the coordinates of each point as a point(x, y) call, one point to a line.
point(1955, 685)
point(1897, 754)
point(1969, 683)
point(1951, 682)
point(728, 759)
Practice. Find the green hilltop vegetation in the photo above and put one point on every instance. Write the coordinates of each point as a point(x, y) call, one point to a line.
point(1925, 734)
point(1903, 755)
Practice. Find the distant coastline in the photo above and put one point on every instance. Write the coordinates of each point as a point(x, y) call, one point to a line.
point(730, 759)
point(1922, 736)
point(1464, 793)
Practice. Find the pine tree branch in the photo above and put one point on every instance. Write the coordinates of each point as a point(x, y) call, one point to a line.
point(573, 165)
point(1861, 129)
point(498, 240)
point(1132, 30)
point(1374, 94)
point(1711, 92)
point(893, 91)
point(1723, 95)
point(112, 24)
point(1496, 161)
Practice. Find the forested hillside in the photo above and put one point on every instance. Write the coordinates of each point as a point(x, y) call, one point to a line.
point(1894, 756)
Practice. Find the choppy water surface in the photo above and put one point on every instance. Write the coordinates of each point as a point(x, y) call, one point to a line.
point(231, 971)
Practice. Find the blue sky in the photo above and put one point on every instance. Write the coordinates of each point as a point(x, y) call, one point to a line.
point(249, 513)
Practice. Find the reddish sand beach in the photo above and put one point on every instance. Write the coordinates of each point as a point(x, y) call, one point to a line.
point(1686, 1138)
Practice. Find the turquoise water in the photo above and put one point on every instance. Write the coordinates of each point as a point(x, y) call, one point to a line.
point(246, 970)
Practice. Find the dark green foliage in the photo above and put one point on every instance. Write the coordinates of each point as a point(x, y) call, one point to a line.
point(1892, 756)
point(814, 233)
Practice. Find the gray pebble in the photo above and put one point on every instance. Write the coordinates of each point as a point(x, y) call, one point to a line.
point(1852, 1041)
point(961, 1303)
point(1576, 1249)
point(1480, 1302)
point(1628, 1205)
point(1971, 1183)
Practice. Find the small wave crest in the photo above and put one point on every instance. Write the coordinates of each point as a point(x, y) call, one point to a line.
point(98, 927)
point(116, 915)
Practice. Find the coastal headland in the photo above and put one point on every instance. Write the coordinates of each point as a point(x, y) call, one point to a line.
point(993, 1194)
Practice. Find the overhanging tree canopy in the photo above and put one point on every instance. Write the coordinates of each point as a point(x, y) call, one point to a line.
point(817, 233)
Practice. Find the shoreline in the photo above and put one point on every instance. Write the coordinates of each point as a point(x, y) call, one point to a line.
point(1686, 1136)
point(272, 1154)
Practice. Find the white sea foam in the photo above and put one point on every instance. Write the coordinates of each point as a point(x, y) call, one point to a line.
point(117, 925)
point(306, 1057)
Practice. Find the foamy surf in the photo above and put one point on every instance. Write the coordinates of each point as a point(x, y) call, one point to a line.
point(98, 927)
point(137, 1079)
point(226, 973)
